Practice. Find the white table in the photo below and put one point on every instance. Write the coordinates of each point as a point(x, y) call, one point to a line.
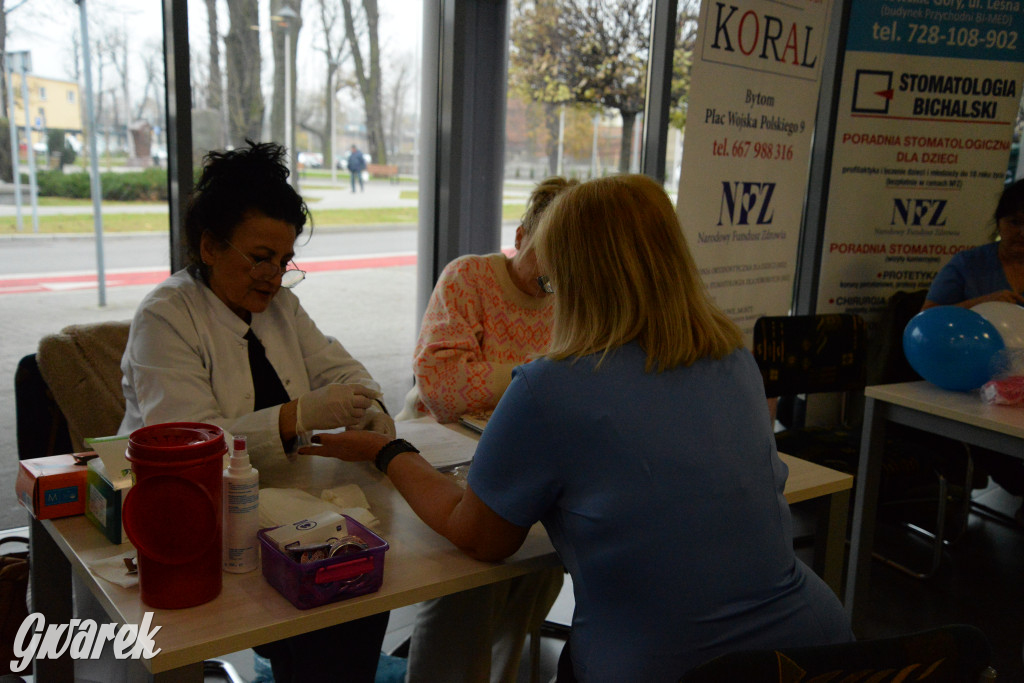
point(957, 415)
point(419, 565)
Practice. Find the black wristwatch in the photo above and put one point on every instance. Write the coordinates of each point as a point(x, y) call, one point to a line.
point(392, 448)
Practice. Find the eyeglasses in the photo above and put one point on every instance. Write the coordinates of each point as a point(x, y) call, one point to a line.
point(265, 269)
point(545, 284)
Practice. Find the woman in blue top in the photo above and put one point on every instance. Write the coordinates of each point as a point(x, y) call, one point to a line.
point(991, 272)
point(642, 442)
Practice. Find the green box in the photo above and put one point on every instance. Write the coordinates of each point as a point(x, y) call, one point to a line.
point(104, 500)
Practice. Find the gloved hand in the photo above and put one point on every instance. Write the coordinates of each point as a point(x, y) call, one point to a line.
point(376, 420)
point(332, 406)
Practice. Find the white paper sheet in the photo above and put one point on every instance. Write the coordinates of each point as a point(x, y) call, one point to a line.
point(442, 447)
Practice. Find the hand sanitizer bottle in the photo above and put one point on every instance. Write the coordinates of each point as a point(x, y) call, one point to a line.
point(241, 512)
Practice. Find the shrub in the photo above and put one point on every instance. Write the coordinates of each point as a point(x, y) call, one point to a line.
point(148, 185)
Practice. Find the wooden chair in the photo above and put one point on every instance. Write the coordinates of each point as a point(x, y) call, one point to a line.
point(956, 653)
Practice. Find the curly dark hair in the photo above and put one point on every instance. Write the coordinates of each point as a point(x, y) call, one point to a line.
point(1011, 201)
point(233, 183)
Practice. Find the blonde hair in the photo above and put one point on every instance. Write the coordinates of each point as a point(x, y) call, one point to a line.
point(621, 270)
point(540, 199)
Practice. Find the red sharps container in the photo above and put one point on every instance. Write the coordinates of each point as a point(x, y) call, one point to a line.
point(173, 512)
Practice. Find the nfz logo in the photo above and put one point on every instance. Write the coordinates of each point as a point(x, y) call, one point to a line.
point(918, 212)
point(745, 203)
point(752, 31)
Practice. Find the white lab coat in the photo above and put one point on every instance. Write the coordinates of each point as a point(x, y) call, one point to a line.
point(187, 361)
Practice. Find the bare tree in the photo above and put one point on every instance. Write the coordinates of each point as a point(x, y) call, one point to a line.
point(333, 49)
point(242, 49)
point(362, 31)
point(115, 41)
point(400, 72)
point(153, 74)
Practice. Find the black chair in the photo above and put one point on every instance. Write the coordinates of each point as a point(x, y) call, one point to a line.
point(812, 354)
point(41, 427)
point(957, 653)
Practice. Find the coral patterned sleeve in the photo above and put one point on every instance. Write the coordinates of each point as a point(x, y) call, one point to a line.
point(477, 327)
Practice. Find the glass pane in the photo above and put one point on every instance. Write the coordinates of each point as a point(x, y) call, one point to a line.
point(577, 75)
point(295, 74)
point(687, 16)
point(50, 282)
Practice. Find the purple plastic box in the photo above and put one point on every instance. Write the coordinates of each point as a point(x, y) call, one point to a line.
point(336, 578)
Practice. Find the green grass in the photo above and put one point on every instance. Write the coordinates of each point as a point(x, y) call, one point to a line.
point(114, 222)
point(157, 222)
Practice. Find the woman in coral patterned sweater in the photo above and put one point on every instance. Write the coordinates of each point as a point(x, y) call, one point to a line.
point(487, 315)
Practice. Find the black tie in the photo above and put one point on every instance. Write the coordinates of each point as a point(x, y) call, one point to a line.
point(266, 384)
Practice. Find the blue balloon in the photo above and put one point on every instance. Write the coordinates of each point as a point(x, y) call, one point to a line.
point(952, 347)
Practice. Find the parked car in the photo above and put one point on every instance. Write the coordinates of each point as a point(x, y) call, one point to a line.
point(311, 159)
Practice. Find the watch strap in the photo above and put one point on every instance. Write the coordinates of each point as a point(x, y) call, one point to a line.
point(391, 449)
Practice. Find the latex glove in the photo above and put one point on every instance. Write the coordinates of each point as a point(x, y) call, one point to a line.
point(376, 420)
point(332, 406)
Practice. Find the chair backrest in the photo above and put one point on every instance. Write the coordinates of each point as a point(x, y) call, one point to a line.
point(957, 653)
point(42, 429)
point(82, 368)
point(807, 354)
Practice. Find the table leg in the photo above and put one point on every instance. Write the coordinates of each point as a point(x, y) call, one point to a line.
point(865, 507)
point(830, 539)
point(50, 576)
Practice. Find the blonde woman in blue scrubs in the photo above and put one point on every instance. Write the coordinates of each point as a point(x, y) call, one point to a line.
point(642, 442)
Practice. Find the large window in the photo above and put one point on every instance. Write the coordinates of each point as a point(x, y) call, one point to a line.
point(361, 257)
point(328, 79)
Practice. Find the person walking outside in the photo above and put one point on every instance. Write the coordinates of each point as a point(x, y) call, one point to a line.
point(356, 166)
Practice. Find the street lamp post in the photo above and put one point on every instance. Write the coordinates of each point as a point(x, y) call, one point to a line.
point(285, 16)
point(97, 190)
point(334, 117)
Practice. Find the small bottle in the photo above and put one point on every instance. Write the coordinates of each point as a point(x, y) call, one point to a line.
point(241, 512)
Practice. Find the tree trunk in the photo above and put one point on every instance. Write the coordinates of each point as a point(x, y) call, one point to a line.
point(373, 95)
point(626, 143)
point(551, 111)
point(368, 76)
point(328, 147)
point(215, 96)
point(245, 95)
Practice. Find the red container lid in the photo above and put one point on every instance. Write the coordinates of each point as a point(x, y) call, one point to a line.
point(175, 442)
